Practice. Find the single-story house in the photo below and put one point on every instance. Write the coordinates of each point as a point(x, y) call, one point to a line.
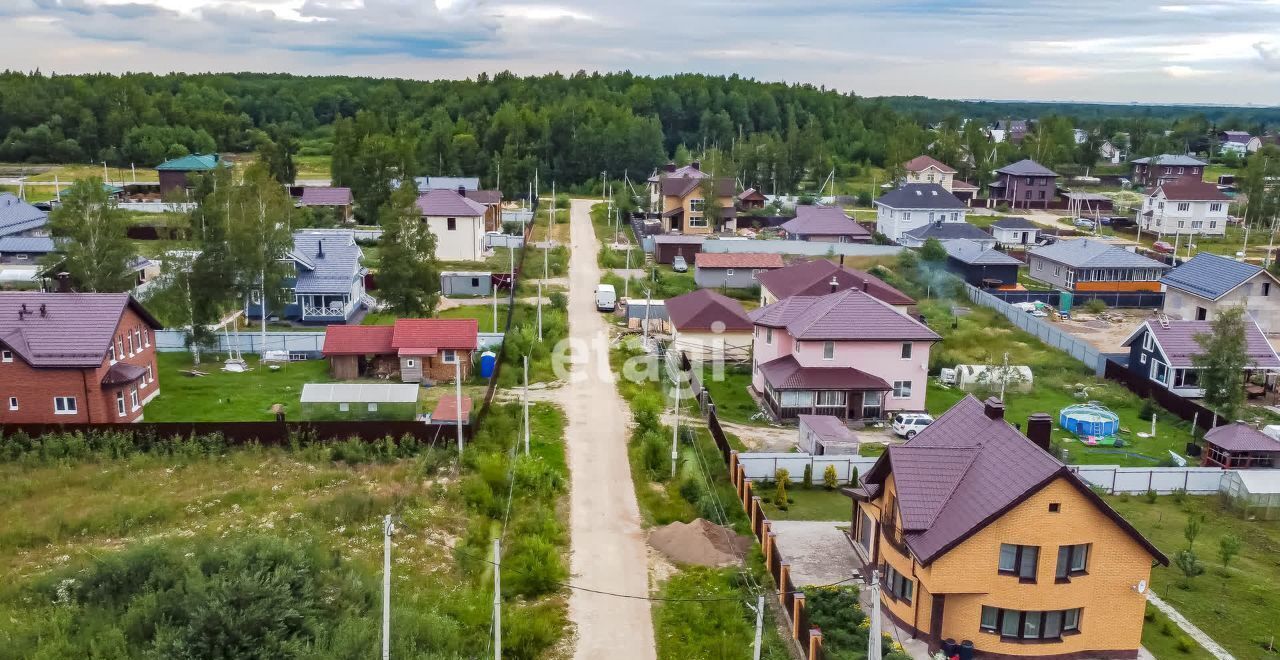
point(413, 350)
point(751, 199)
point(18, 218)
point(1163, 352)
point(946, 231)
point(1206, 284)
point(1015, 232)
point(733, 270)
point(824, 224)
point(983, 267)
point(666, 247)
point(1239, 446)
point(1090, 265)
point(823, 435)
point(328, 197)
point(821, 276)
point(708, 325)
point(24, 249)
point(173, 173)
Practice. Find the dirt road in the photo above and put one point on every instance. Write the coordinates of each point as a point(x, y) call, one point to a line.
point(607, 541)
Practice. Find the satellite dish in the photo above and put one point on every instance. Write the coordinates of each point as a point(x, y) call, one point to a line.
point(1142, 587)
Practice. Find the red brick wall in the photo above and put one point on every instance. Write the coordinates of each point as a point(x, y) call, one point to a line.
point(36, 388)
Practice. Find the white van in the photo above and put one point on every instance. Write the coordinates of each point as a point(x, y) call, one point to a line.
point(606, 298)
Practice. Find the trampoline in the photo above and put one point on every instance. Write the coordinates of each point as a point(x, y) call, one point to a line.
point(1089, 419)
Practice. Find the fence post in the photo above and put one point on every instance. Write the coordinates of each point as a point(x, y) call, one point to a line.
point(770, 547)
point(733, 467)
point(815, 644)
point(784, 572)
point(746, 496)
point(755, 513)
point(795, 614)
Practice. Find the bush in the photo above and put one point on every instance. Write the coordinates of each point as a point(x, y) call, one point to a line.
point(1184, 644)
point(829, 478)
point(1095, 306)
point(1150, 496)
point(559, 300)
point(532, 567)
point(1179, 495)
point(1147, 411)
point(780, 498)
point(807, 482)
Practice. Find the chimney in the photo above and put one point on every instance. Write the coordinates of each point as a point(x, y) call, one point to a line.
point(319, 249)
point(1039, 428)
point(866, 284)
point(64, 282)
point(994, 408)
point(43, 311)
point(834, 284)
point(696, 165)
point(462, 191)
point(669, 167)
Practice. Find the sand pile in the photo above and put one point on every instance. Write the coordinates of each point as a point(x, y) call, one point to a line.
point(700, 542)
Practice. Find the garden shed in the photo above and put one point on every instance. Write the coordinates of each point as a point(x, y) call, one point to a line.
point(1253, 493)
point(466, 283)
point(359, 401)
point(1017, 378)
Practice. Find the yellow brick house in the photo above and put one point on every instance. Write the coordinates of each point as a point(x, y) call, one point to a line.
point(981, 535)
point(678, 195)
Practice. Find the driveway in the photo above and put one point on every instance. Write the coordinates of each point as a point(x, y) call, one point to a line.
point(606, 539)
point(819, 551)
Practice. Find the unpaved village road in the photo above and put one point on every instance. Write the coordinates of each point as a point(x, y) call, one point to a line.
point(607, 542)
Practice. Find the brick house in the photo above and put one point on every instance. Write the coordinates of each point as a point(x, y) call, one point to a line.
point(1024, 184)
point(978, 533)
point(1155, 170)
point(412, 350)
point(677, 194)
point(75, 358)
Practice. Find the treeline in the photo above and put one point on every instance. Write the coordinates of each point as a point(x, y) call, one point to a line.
point(929, 110)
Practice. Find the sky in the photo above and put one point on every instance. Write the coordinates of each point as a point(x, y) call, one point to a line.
point(1213, 51)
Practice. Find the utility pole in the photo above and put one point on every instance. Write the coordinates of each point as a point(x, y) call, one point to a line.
point(626, 281)
point(495, 308)
point(759, 625)
point(526, 405)
point(387, 529)
point(1004, 375)
point(457, 393)
point(497, 599)
point(539, 311)
point(675, 430)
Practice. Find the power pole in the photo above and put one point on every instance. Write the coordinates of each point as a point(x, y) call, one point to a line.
point(387, 529)
point(539, 311)
point(675, 430)
point(759, 625)
point(526, 405)
point(495, 308)
point(497, 599)
point(457, 393)
point(1004, 375)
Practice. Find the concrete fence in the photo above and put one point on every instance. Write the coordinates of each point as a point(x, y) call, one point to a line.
point(803, 248)
point(1046, 332)
point(758, 466)
point(1163, 480)
point(157, 207)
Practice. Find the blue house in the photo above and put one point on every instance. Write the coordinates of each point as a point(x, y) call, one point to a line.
point(328, 286)
point(1163, 352)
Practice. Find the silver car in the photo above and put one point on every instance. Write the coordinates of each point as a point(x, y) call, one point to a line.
point(679, 265)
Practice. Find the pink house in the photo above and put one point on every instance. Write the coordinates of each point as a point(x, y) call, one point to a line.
point(845, 354)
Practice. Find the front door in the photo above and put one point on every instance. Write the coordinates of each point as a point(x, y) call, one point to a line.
point(935, 621)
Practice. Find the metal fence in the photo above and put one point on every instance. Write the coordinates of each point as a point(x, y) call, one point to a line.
point(1164, 480)
point(1130, 299)
point(803, 248)
point(758, 466)
point(1059, 339)
point(303, 343)
point(263, 433)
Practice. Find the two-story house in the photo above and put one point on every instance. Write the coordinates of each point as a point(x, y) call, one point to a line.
point(1165, 168)
point(1024, 184)
point(328, 281)
point(824, 224)
point(75, 358)
point(1163, 352)
point(1207, 283)
point(916, 205)
point(678, 195)
point(978, 533)
point(18, 218)
point(412, 350)
point(1185, 207)
point(1239, 142)
point(846, 354)
point(457, 222)
point(926, 169)
point(1086, 265)
point(821, 276)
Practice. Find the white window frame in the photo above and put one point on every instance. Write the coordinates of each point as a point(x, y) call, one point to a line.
point(902, 389)
point(120, 411)
point(410, 362)
point(768, 335)
point(1147, 342)
point(451, 224)
point(13, 403)
point(828, 350)
point(134, 402)
point(1216, 207)
point(728, 272)
point(68, 404)
point(907, 350)
point(448, 356)
point(6, 356)
point(373, 406)
point(344, 407)
point(151, 375)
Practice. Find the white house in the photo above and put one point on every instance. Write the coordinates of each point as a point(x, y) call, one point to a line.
point(1012, 231)
point(916, 205)
point(1185, 207)
point(457, 223)
point(1202, 287)
point(1241, 142)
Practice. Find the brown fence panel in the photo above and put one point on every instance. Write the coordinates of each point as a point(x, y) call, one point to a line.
point(1182, 407)
point(788, 594)
point(265, 433)
point(717, 432)
point(803, 623)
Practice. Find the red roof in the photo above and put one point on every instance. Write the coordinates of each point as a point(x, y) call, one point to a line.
point(447, 410)
point(326, 196)
point(357, 340)
point(920, 163)
point(703, 309)
point(434, 334)
point(1192, 191)
point(737, 260)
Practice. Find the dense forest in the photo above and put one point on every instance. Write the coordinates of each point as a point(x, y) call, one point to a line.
point(928, 110)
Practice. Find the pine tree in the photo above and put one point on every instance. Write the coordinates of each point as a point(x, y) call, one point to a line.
point(93, 246)
point(408, 275)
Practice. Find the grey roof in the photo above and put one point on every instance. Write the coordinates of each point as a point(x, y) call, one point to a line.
point(440, 202)
point(17, 216)
point(966, 469)
point(1177, 340)
point(1209, 275)
point(1242, 437)
point(828, 427)
point(325, 196)
point(974, 254)
point(32, 244)
point(1169, 159)
point(75, 330)
point(947, 231)
point(823, 221)
point(450, 182)
point(1027, 167)
point(1088, 253)
point(331, 273)
point(920, 196)
point(1015, 222)
point(849, 315)
point(682, 239)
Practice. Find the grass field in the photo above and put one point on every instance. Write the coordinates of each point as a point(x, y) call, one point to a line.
point(1236, 607)
point(225, 396)
point(815, 503)
point(313, 167)
point(733, 402)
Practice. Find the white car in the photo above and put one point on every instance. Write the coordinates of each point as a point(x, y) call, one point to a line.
point(907, 425)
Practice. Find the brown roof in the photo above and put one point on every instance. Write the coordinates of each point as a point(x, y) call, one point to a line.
point(412, 335)
point(737, 260)
point(121, 373)
point(920, 163)
point(485, 196)
point(443, 202)
point(750, 193)
point(75, 330)
point(785, 373)
point(679, 186)
point(958, 184)
point(1241, 437)
point(703, 309)
point(849, 315)
point(1192, 191)
point(814, 278)
point(325, 196)
point(964, 471)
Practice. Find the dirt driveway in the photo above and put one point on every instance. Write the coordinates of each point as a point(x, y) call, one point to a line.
point(819, 551)
point(608, 544)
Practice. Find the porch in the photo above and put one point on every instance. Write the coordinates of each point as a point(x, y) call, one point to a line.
point(316, 308)
point(791, 390)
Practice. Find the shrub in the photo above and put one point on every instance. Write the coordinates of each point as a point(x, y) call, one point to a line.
point(1095, 306)
point(1179, 495)
point(780, 498)
point(1189, 564)
point(1147, 411)
point(1150, 496)
point(829, 478)
point(559, 300)
point(1184, 644)
point(654, 454)
point(807, 482)
point(853, 477)
point(532, 567)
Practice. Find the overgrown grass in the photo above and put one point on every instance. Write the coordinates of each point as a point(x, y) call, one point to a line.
point(221, 396)
point(733, 402)
point(1236, 606)
point(711, 629)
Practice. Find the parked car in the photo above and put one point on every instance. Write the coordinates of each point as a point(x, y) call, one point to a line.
point(679, 265)
point(1084, 223)
point(1162, 247)
point(606, 298)
point(907, 425)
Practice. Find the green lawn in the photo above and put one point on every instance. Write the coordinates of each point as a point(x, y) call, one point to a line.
point(1236, 607)
point(733, 402)
point(313, 167)
point(223, 396)
point(816, 503)
point(1166, 641)
point(481, 313)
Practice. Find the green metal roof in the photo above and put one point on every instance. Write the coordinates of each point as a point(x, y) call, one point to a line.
point(190, 163)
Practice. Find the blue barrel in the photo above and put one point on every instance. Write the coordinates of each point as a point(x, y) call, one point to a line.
point(488, 361)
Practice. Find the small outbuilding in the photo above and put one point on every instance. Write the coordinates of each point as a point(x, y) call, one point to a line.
point(667, 246)
point(822, 435)
point(1239, 446)
point(1255, 494)
point(1016, 378)
point(733, 270)
point(466, 283)
point(359, 401)
point(332, 197)
point(708, 325)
